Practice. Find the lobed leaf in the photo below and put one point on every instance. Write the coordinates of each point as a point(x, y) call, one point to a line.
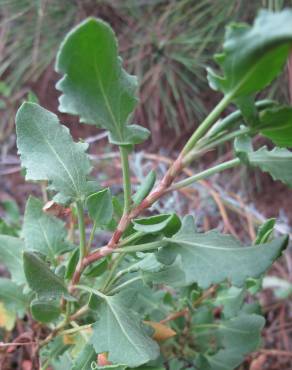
point(41, 279)
point(95, 86)
point(11, 256)
point(238, 336)
point(48, 152)
point(122, 334)
point(253, 55)
point(276, 162)
point(276, 124)
point(201, 252)
point(43, 233)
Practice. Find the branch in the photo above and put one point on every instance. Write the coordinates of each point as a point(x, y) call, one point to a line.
point(162, 188)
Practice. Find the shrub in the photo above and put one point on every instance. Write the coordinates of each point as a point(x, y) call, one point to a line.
point(158, 279)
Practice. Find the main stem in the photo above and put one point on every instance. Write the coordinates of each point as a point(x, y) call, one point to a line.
point(126, 179)
point(129, 214)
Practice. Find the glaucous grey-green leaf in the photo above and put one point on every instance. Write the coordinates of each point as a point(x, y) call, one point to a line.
point(100, 207)
point(231, 299)
point(123, 335)
point(11, 256)
point(277, 162)
point(42, 232)
point(45, 310)
point(41, 279)
point(166, 223)
point(95, 86)
point(276, 124)
point(53, 350)
point(85, 358)
point(12, 296)
point(253, 55)
point(238, 337)
point(153, 271)
point(145, 187)
point(48, 152)
point(210, 258)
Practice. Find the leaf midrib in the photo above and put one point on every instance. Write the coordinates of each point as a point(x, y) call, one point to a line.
point(58, 158)
point(137, 349)
point(206, 246)
point(105, 98)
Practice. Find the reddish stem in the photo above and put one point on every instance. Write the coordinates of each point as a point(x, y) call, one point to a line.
point(126, 219)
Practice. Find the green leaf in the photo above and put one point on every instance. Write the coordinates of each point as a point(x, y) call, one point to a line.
point(253, 55)
point(210, 258)
point(12, 296)
point(166, 223)
point(96, 269)
point(11, 256)
point(276, 162)
point(145, 187)
point(95, 86)
point(100, 207)
point(41, 279)
point(53, 350)
point(45, 310)
point(42, 232)
point(231, 299)
point(265, 231)
point(122, 334)
point(276, 124)
point(248, 109)
point(155, 272)
point(85, 358)
point(134, 134)
point(238, 336)
point(72, 263)
point(48, 152)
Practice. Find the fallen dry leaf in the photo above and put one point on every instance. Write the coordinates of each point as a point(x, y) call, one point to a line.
point(161, 331)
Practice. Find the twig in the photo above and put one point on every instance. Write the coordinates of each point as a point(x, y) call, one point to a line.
point(2, 344)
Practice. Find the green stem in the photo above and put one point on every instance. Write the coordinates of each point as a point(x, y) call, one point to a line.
point(90, 290)
point(91, 237)
point(235, 117)
point(202, 175)
point(131, 238)
point(112, 271)
point(126, 179)
point(123, 285)
point(75, 329)
point(140, 247)
point(205, 125)
point(81, 225)
point(212, 144)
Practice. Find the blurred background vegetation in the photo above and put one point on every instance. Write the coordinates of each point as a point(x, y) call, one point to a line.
point(166, 43)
